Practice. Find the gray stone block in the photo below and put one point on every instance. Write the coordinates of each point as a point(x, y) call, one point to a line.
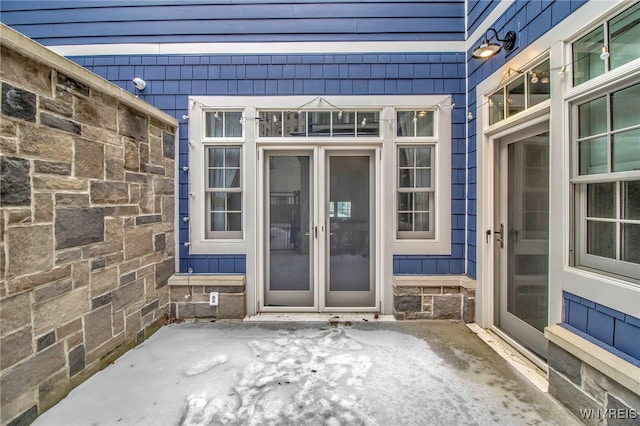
point(407, 303)
point(159, 242)
point(164, 270)
point(76, 360)
point(168, 145)
point(46, 341)
point(15, 183)
point(447, 307)
point(72, 84)
point(26, 418)
point(18, 103)
point(52, 167)
point(60, 123)
point(101, 301)
point(79, 227)
point(133, 124)
point(564, 363)
point(620, 414)
point(573, 397)
point(150, 307)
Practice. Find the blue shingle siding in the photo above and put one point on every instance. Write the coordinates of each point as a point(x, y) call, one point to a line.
point(609, 327)
point(163, 21)
point(477, 11)
point(172, 79)
point(530, 20)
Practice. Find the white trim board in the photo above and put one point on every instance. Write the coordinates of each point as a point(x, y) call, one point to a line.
point(259, 48)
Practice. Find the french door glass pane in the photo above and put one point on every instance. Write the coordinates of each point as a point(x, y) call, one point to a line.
point(349, 260)
point(526, 233)
point(624, 35)
point(601, 238)
point(289, 223)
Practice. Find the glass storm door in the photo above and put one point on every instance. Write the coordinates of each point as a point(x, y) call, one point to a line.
point(349, 269)
point(521, 235)
point(318, 227)
point(289, 262)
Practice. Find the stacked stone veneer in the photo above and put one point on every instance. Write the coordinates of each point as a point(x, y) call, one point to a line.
point(595, 398)
point(189, 295)
point(432, 297)
point(86, 225)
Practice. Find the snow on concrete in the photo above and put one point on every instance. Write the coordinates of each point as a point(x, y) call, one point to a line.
point(309, 375)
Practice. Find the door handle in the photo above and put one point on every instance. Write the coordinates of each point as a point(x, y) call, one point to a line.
point(315, 230)
point(500, 237)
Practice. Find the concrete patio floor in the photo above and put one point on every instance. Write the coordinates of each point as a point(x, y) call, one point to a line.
point(309, 373)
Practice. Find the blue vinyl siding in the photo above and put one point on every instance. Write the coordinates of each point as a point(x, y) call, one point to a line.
point(477, 11)
point(172, 79)
point(604, 326)
point(152, 21)
point(530, 20)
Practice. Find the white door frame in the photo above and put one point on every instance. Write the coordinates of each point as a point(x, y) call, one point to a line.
point(319, 152)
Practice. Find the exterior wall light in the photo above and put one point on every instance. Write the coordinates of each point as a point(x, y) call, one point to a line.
point(487, 49)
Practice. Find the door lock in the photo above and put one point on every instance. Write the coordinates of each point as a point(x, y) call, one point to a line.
point(500, 234)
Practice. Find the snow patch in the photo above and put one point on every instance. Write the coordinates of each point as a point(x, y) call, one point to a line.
point(206, 365)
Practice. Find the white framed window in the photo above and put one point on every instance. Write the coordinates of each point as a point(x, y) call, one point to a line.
point(422, 181)
point(223, 200)
point(606, 182)
point(223, 124)
point(415, 192)
point(612, 44)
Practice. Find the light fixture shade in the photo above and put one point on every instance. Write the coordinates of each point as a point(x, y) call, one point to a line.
point(487, 49)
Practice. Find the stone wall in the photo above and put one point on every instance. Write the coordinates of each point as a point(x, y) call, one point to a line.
point(434, 297)
point(592, 396)
point(86, 224)
point(189, 296)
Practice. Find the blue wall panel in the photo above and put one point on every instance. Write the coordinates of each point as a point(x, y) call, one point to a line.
point(610, 329)
point(477, 11)
point(154, 21)
point(530, 20)
point(172, 79)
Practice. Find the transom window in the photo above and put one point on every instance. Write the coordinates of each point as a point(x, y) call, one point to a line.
point(614, 43)
point(415, 123)
point(340, 123)
point(530, 88)
point(223, 124)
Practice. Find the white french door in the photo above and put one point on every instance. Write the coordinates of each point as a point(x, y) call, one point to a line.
point(318, 230)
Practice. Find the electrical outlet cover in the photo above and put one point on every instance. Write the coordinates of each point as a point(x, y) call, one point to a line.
point(213, 298)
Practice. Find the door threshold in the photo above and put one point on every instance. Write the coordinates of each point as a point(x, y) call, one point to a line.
point(532, 372)
point(318, 317)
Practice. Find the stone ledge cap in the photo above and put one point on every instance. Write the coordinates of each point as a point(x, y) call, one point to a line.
point(433, 281)
point(207, 280)
point(602, 360)
point(39, 53)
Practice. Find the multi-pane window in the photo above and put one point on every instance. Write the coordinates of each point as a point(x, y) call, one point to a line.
point(611, 45)
point(224, 192)
point(333, 123)
point(530, 88)
point(415, 192)
point(607, 182)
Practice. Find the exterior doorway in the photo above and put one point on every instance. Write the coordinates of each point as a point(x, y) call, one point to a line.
point(319, 230)
point(521, 237)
